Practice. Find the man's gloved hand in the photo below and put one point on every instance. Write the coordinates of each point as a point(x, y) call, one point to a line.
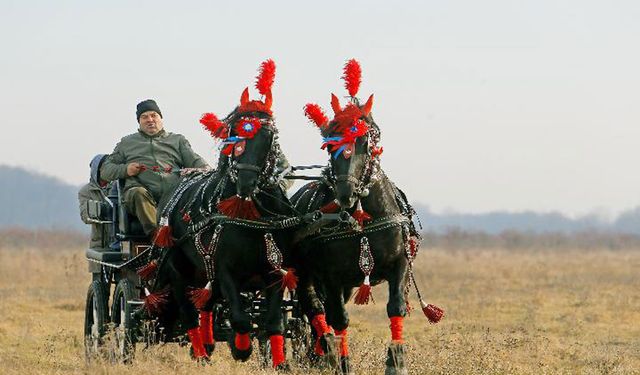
point(133, 169)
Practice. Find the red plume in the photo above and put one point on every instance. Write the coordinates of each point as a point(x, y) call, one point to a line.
point(316, 114)
point(266, 77)
point(216, 127)
point(352, 75)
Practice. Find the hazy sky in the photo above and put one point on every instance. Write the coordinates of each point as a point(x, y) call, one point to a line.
point(483, 105)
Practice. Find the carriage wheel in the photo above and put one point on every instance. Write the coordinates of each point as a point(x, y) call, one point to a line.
point(123, 321)
point(95, 319)
point(264, 349)
point(300, 340)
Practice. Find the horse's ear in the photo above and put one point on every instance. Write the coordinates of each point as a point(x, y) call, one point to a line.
point(244, 98)
point(366, 109)
point(335, 104)
point(268, 99)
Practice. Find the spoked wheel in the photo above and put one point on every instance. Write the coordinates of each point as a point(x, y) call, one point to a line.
point(95, 319)
point(264, 349)
point(123, 321)
point(300, 340)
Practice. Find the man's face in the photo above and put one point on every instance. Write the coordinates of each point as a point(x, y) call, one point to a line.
point(150, 122)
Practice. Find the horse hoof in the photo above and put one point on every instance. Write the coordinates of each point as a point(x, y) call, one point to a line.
point(237, 354)
point(395, 360)
point(345, 365)
point(328, 344)
point(283, 367)
point(210, 348)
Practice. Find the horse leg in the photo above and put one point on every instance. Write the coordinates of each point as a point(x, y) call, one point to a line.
point(206, 328)
point(396, 311)
point(274, 326)
point(338, 318)
point(240, 345)
point(188, 312)
point(314, 310)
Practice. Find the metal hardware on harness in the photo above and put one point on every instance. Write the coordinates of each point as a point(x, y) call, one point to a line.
point(365, 261)
point(274, 255)
point(208, 253)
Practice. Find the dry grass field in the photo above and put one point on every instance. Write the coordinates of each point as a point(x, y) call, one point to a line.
point(508, 312)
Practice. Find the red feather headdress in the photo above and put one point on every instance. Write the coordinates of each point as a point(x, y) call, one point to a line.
point(352, 77)
point(264, 82)
point(347, 124)
point(217, 128)
point(267, 75)
point(315, 113)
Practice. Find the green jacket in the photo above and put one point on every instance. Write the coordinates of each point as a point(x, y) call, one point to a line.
point(162, 150)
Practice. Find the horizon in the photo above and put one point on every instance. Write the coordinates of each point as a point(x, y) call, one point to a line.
point(482, 106)
point(599, 214)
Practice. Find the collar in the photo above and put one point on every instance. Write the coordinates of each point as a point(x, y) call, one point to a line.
point(159, 134)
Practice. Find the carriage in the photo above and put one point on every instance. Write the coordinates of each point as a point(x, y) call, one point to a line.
point(113, 323)
point(237, 223)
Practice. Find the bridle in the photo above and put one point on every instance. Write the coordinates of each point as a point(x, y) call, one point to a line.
point(267, 173)
point(370, 172)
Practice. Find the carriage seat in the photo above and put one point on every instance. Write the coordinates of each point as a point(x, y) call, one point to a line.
point(104, 256)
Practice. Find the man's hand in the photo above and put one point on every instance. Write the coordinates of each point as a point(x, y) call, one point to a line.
point(133, 169)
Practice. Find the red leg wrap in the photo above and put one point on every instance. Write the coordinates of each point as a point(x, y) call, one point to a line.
point(319, 323)
point(396, 328)
point(206, 327)
point(196, 343)
point(242, 341)
point(344, 345)
point(277, 349)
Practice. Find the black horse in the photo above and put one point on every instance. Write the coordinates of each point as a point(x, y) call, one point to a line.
point(381, 248)
point(228, 230)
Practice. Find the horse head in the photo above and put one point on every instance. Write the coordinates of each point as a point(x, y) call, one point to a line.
point(248, 135)
point(351, 139)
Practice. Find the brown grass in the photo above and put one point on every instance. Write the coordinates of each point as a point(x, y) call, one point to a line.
point(507, 312)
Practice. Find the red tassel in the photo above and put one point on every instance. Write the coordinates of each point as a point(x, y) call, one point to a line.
point(352, 75)
point(206, 327)
point(277, 349)
point(330, 207)
point(316, 114)
point(145, 272)
point(396, 328)
point(237, 207)
point(164, 235)
point(199, 297)
point(242, 341)
point(432, 312)
point(154, 302)
point(344, 345)
point(267, 75)
point(227, 149)
point(289, 278)
point(199, 352)
point(364, 293)
point(360, 215)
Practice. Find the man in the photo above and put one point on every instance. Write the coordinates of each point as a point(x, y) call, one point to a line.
point(96, 190)
point(149, 161)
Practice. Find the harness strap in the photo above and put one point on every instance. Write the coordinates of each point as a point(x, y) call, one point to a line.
point(208, 253)
point(247, 167)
